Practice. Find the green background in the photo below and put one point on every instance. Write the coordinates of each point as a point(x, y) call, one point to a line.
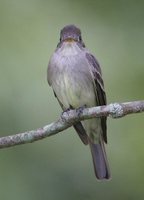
point(60, 167)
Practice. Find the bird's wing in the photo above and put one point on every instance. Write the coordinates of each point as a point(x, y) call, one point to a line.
point(99, 88)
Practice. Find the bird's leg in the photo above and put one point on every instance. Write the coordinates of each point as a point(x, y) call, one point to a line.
point(68, 109)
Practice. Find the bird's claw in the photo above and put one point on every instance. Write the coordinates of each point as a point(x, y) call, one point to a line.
point(79, 110)
point(65, 113)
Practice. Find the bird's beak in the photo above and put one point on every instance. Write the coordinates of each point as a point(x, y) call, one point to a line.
point(70, 40)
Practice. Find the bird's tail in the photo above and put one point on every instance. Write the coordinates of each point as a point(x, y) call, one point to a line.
point(100, 161)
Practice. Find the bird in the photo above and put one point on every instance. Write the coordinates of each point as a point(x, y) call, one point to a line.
point(76, 79)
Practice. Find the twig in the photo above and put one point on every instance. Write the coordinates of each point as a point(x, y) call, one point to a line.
point(67, 119)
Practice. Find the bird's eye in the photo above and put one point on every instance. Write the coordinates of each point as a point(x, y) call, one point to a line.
point(80, 38)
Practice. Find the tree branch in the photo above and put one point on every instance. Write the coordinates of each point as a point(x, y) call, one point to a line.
point(68, 118)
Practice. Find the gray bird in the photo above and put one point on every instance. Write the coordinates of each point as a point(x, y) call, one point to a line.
point(76, 78)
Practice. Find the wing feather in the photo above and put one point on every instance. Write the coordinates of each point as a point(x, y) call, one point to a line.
point(99, 89)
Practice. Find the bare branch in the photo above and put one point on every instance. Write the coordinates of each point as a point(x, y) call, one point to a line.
point(67, 119)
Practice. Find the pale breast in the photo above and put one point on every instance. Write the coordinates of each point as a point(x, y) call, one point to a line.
point(71, 80)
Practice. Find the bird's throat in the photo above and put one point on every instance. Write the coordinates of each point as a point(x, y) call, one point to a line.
point(69, 49)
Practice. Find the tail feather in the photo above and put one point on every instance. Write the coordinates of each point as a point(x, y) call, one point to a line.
point(100, 162)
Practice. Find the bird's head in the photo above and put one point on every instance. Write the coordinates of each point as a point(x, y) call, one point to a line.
point(71, 33)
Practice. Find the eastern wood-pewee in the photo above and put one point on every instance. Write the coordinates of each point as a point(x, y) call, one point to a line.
point(76, 78)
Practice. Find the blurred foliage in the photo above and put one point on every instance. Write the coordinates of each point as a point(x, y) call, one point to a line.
point(60, 167)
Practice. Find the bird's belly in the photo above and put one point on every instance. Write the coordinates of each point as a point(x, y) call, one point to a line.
point(74, 89)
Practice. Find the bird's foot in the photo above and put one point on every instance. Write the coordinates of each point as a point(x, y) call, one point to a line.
point(79, 110)
point(68, 109)
point(66, 112)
